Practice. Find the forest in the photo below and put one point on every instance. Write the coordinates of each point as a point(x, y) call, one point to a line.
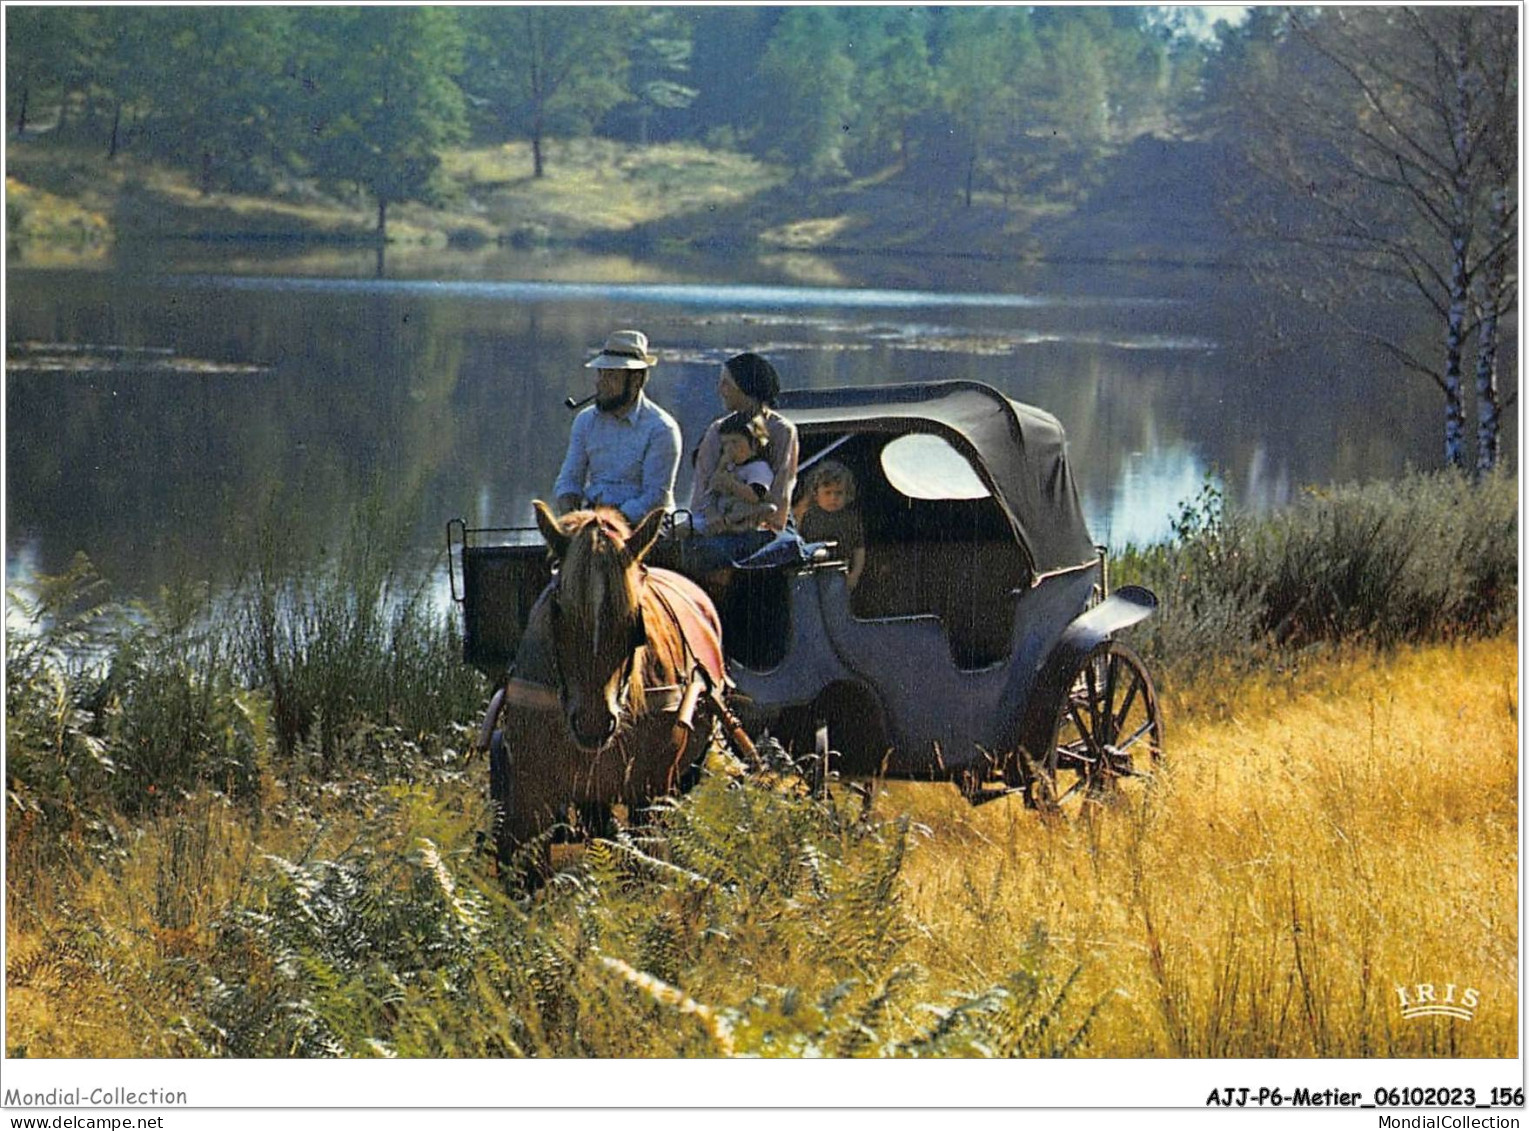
point(370, 96)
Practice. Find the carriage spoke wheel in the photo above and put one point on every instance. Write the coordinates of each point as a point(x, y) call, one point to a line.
point(1107, 733)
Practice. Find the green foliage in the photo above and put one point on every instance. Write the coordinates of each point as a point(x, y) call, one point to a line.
point(350, 645)
point(660, 60)
point(384, 98)
point(257, 98)
point(897, 89)
point(116, 711)
point(120, 710)
point(548, 69)
point(170, 710)
point(1430, 557)
point(56, 768)
point(806, 106)
point(693, 941)
point(224, 105)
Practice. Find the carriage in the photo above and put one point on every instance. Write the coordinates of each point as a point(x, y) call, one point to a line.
point(979, 646)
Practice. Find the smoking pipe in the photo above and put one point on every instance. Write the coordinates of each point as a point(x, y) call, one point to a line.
point(572, 405)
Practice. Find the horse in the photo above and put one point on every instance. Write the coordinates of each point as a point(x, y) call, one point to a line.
point(619, 665)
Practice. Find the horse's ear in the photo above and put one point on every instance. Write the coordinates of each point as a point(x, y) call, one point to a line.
point(646, 534)
point(557, 541)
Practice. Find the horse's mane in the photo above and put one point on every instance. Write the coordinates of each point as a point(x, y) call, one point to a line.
point(597, 562)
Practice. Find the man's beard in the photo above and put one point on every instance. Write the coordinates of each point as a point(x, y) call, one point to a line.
point(619, 401)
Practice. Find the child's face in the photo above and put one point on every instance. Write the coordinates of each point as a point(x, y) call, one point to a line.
point(831, 497)
point(736, 449)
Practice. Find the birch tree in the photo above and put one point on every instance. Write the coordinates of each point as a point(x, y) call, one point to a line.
point(1386, 130)
point(1497, 294)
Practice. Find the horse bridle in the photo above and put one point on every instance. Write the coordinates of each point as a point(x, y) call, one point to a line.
point(638, 641)
point(624, 694)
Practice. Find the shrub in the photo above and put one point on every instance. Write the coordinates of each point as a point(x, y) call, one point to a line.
point(350, 644)
point(1430, 557)
point(57, 767)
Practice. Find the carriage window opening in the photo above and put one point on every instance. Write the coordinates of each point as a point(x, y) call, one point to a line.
point(921, 465)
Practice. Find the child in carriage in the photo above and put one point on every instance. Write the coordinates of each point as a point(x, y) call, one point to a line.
point(825, 513)
point(736, 498)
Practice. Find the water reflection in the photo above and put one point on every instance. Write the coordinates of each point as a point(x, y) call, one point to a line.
point(1138, 506)
point(430, 399)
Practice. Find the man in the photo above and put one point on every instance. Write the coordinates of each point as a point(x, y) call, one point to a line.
point(624, 450)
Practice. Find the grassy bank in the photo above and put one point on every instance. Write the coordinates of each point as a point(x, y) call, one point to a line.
point(596, 193)
point(258, 834)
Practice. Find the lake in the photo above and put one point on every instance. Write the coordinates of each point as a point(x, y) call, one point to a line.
point(156, 415)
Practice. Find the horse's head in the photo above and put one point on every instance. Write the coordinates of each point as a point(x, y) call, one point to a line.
point(597, 621)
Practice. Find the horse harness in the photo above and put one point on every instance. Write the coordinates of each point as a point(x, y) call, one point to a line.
point(703, 675)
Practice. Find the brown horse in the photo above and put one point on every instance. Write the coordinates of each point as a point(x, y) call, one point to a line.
point(618, 665)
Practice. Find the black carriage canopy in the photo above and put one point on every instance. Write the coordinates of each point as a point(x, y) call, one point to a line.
point(1018, 452)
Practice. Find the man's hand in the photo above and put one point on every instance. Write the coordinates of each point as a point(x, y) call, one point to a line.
point(566, 503)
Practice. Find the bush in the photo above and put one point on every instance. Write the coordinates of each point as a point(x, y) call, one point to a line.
point(1430, 557)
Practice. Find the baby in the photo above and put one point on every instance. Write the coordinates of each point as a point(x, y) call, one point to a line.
point(735, 498)
point(825, 513)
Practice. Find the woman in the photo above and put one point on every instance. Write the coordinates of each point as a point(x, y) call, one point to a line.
point(747, 384)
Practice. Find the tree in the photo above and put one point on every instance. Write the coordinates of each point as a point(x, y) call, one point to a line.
point(548, 68)
point(806, 106)
point(730, 40)
point(382, 98)
point(1498, 293)
point(896, 79)
point(985, 54)
point(50, 53)
point(35, 39)
point(660, 54)
point(1387, 134)
point(223, 104)
point(124, 67)
point(1078, 74)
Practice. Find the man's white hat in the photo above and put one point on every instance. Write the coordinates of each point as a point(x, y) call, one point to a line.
point(625, 349)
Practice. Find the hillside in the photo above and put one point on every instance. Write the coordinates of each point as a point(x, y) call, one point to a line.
point(1153, 200)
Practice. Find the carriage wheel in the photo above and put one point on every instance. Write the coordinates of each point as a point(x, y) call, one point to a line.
point(1107, 732)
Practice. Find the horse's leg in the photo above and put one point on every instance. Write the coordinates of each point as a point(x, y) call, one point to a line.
point(657, 767)
point(521, 817)
point(501, 793)
point(702, 735)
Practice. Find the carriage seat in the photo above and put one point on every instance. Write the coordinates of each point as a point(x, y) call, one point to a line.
point(971, 589)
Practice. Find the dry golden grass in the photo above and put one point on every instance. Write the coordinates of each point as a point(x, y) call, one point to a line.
point(1340, 835)
point(591, 185)
point(1342, 832)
